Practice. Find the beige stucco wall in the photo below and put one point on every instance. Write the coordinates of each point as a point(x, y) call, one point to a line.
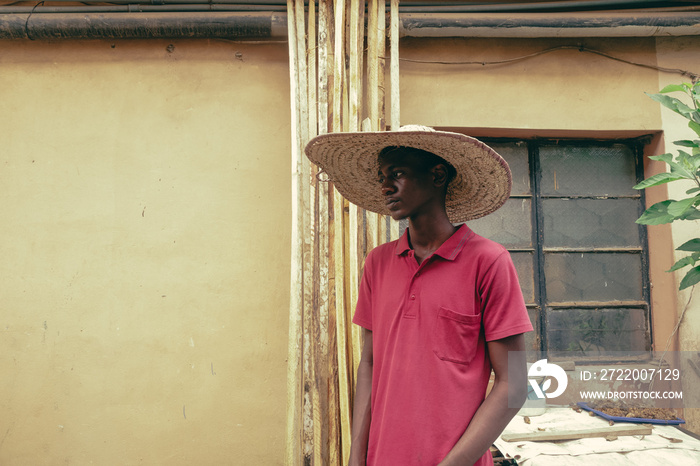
point(144, 281)
point(560, 90)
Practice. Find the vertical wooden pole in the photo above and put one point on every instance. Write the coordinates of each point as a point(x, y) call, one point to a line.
point(295, 355)
point(317, 316)
point(395, 107)
point(323, 70)
point(338, 231)
point(324, 245)
point(354, 84)
point(372, 69)
point(310, 406)
point(381, 60)
point(329, 244)
point(394, 63)
point(339, 65)
point(311, 69)
point(380, 236)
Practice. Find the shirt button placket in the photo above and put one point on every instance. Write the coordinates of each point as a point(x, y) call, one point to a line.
point(413, 292)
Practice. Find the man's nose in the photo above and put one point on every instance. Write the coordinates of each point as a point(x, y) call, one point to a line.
point(387, 187)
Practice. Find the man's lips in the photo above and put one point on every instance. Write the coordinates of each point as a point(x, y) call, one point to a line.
point(390, 202)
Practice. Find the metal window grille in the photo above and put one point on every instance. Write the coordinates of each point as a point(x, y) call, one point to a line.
point(582, 260)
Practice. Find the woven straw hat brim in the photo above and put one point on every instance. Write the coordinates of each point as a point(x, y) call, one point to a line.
point(482, 183)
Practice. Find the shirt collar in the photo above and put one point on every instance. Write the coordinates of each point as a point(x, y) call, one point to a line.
point(448, 250)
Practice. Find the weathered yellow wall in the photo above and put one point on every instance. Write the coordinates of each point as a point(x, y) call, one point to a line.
point(144, 290)
point(560, 90)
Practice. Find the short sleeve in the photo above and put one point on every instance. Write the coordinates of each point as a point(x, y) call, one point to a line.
point(502, 305)
point(363, 310)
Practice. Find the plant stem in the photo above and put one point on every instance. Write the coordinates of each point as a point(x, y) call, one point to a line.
point(668, 342)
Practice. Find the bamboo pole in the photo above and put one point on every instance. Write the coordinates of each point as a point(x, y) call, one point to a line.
point(313, 313)
point(394, 229)
point(372, 109)
point(338, 231)
point(311, 69)
point(360, 57)
point(324, 346)
point(310, 406)
point(354, 62)
point(381, 61)
point(324, 244)
point(323, 71)
point(381, 86)
point(394, 64)
point(394, 98)
point(344, 377)
point(339, 64)
point(294, 367)
point(372, 68)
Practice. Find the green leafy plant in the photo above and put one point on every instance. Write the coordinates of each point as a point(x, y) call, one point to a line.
point(684, 166)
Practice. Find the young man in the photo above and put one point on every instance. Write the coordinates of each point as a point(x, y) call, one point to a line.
point(441, 307)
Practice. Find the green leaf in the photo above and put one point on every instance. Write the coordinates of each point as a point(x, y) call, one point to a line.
point(692, 190)
point(688, 260)
point(686, 161)
point(693, 245)
point(692, 214)
point(678, 208)
point(678, 169)
point(695, 127)
point(694, 160)
point(656, 214)
point(691, 278)
point(687, 143)
point(677, 106)
point(667, 157)
point(673, 88)
point(656, 180)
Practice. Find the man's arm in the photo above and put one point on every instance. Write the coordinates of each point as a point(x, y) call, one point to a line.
point(494, 414)
point(361, 413)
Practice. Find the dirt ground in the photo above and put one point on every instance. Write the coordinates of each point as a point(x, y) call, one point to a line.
point(622, 409)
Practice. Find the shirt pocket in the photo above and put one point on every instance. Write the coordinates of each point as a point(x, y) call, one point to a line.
point(456, 336)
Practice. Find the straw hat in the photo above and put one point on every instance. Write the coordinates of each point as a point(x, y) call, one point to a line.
point(481, 186)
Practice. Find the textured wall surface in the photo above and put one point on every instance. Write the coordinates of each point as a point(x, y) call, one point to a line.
point(145, 252)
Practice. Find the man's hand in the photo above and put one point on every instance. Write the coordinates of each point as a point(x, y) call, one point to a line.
point(361, 414)
point(494, 414)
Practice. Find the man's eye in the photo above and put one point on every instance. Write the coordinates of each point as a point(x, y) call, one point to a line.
point(397, 174)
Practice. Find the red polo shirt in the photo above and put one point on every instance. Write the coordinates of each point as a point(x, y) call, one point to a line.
point(430, 324)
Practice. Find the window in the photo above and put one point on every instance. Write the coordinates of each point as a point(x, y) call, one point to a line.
point(581, 258)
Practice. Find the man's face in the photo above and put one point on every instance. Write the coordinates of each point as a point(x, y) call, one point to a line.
point(408, 188)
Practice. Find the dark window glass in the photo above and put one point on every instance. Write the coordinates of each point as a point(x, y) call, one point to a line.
point(587, 170)
point(594, 333)
point(511, 225)
point(599, 223)
point(577, 277)
point(581, 258)
point(516, 153)
point(524, 265)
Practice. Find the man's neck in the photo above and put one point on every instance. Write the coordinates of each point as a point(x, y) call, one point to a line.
point(428, 234)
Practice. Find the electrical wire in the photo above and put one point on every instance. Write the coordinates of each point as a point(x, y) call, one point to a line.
point(693, 76)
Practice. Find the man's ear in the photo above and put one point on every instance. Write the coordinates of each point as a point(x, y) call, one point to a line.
point(440, 175)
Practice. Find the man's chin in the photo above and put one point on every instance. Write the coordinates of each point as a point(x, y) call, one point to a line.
point(397, 215)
